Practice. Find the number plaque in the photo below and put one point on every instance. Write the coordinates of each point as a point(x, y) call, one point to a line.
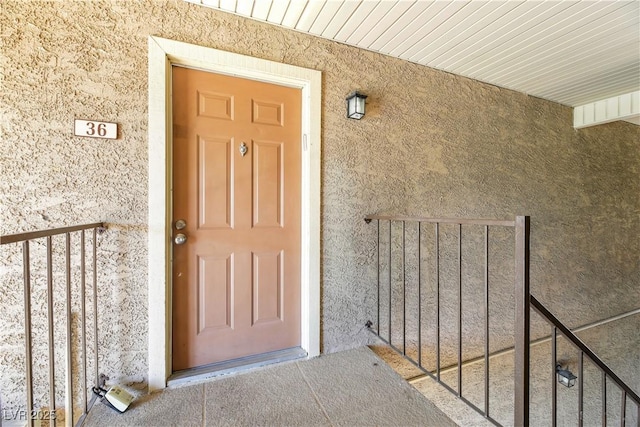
point(94, 129)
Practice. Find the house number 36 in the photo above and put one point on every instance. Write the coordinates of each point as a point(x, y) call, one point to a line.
point(91, 129)
point(95, 129)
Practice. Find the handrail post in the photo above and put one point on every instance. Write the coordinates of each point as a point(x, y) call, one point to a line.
point(27, 330)
point(95, 306)
point(50, 330)
point(68, 419)
point(522, 319)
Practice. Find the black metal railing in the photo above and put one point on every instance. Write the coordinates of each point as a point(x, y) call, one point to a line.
point(605, 371)
point(486, 226)
point(521, 295)
point(32, 413)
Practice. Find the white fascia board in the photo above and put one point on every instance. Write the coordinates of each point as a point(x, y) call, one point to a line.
point(622, 107)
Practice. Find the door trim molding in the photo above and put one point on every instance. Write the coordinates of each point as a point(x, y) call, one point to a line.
point(164, 53)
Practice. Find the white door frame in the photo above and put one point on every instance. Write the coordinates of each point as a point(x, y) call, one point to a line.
point(163, 54)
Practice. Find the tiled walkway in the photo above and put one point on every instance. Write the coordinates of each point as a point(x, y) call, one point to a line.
point(351, 388)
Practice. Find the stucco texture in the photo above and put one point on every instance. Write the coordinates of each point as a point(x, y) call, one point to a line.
point(431, 144)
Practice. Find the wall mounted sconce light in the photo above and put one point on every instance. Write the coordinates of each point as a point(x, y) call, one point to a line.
point(565, 376)
point(355, 105)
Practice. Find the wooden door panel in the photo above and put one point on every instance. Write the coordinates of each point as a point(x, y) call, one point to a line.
point(236, 281)
point(215, 293)
point(215, 105)
point(215, 183)
point(268, 113)
point(267, 186)
point(266, 299)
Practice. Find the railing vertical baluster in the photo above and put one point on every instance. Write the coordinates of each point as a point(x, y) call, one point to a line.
point(554, 382)
point(486, 320)
point(623, 410)
point(437, 238)
point(34, 413)
point(459, 309)
point(419, 298)
point(581, 389)
point(52, 364)
point(604, 399)
point(69, 373)
point(27, 327)
point(95, 307)
point(390, 342)
point(83, 318)
point(404, 293)
point(522, 320)
point(378, 276)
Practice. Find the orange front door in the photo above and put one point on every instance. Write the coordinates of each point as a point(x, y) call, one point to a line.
point(236, 187)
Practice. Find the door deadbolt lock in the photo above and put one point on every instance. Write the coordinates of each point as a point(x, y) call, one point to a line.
point(180, 239)
point(180, 224)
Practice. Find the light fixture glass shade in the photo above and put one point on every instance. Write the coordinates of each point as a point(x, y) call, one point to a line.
point(565, 377)
point(355, 105)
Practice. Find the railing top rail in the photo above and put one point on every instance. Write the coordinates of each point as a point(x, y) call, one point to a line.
point(20, 237)
point(463, 221)
point(577, 342)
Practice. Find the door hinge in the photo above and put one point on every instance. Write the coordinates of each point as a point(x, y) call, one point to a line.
point(305, 145)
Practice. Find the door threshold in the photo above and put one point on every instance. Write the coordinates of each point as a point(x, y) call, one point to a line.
point(235, 366)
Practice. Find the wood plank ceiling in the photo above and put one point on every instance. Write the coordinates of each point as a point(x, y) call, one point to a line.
point(570, 52)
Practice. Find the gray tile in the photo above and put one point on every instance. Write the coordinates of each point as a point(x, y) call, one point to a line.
point(404, 409)
point(171, 407)
point(275, 396)
point(356, 387)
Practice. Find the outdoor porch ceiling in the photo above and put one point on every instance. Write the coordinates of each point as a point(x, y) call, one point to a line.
point(572, 52)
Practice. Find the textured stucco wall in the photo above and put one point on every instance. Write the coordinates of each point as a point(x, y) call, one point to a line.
point(432, 144)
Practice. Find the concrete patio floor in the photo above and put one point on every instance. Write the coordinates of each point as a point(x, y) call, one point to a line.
point(351, 388)
point(368, 387)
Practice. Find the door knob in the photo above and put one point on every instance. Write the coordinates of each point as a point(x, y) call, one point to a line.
point(180, 239)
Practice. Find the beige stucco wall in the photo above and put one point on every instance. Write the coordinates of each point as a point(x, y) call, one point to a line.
point(431, 144)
